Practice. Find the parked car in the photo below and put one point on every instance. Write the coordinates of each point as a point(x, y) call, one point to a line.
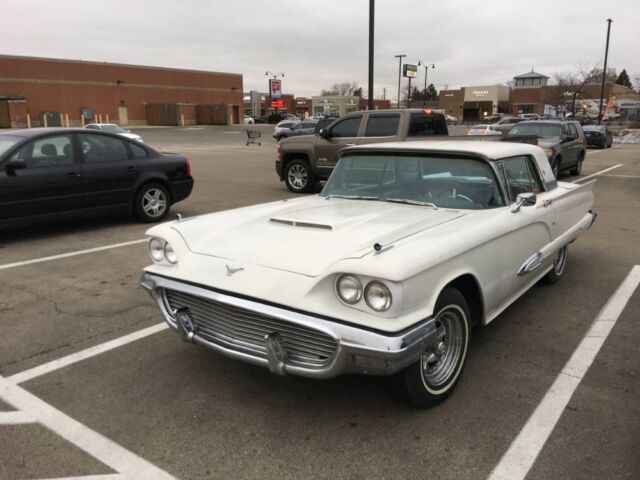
point(451, 119)
point(483, 130)
point(562, 140)
point(300, 128)
point(303, 161)
point(505, 124)
point(54, 172)
point(495, 117)
point(283, 126)
point(249, 120)
point(113, 128)
point(531, 116)
point(598, 135)
point(331, 284)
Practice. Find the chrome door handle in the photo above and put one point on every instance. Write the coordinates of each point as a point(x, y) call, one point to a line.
point(350, 145)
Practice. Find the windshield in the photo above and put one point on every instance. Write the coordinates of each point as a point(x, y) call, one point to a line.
point(113, 129)
point(540, 130)
point(433, 181)
point(7, 142)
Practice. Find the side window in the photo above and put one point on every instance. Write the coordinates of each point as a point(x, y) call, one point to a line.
point(92, 127)
point(573, 131)
point(519, 177)
point(47, 152)
point(138, 151)
point(347, 127)
point(421, 125)
point(382, 125)
point(102, 148)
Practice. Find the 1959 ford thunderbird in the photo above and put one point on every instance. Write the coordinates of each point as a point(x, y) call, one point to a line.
point(383, 273)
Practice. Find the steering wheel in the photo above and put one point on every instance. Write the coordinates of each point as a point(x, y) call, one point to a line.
point(448, 190)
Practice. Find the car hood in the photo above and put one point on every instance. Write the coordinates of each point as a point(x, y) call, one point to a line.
point(307, 236)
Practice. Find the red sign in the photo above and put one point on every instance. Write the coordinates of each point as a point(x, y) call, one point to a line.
point(277, 103)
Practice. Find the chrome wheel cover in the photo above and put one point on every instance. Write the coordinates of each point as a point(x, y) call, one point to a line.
point(298, 176)
point(441, 361)
point(560, 261)
point(154, 202)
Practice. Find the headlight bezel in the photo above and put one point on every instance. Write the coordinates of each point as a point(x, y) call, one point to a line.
point(393, 291)
point(161, 246)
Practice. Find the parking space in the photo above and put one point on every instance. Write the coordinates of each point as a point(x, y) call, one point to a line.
point(168, 408)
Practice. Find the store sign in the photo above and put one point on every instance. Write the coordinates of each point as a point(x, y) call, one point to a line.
point(277, 104)
point(275, 88)
point(409, 70)
point(480, 93)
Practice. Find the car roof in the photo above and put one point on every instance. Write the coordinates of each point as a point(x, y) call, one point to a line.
point(489, 149)
point(34, 132)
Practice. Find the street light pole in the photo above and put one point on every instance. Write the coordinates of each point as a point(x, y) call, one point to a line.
point(426, 72)
point(372, 9)
point(399, 57)
point(604, 72)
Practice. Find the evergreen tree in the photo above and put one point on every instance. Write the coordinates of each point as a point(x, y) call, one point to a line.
point(623, 79)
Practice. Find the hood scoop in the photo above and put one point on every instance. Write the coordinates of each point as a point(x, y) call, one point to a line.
point(297, 223)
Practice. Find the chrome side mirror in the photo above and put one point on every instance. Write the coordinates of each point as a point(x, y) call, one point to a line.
point(524, 200)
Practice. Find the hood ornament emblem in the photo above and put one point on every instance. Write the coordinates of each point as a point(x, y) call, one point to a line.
point(231, 270)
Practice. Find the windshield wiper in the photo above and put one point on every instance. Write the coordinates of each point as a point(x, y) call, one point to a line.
point(353, 197)
point(412, 202)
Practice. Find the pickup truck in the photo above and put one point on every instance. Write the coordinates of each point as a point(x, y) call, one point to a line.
point(305, 160)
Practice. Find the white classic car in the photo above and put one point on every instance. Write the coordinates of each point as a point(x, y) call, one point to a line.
point(383, 273)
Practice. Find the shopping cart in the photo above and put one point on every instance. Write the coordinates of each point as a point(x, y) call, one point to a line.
point(254, 136)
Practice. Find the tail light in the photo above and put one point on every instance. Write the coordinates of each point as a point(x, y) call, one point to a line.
point(187, 165)
point(427, 111)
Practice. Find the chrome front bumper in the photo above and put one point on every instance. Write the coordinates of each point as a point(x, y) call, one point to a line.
point(358, 350)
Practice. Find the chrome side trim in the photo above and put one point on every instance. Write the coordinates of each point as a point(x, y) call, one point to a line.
point(532, 263)
point(359, 350)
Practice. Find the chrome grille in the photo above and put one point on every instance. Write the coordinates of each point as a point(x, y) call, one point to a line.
point(244, 330)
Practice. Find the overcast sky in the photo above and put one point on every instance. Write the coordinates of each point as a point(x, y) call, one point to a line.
point(319, 43)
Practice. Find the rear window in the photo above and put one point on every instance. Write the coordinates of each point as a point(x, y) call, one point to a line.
point(422, 124)
point(382, 125)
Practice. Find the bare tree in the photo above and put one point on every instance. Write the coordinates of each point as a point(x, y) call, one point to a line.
point(343, 89)
point(573, 83)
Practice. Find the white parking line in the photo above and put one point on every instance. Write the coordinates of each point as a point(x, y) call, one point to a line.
point(15, 418)
point(106, 476)
point(70, 254)
point(518, 460)
point(597, 173)
point(84, 354)
point(106, 451)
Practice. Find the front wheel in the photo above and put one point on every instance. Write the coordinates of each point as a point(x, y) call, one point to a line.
point(152, 203)
point(559, 263)
point(433, 377)
point(299, 177)
point(578, 166)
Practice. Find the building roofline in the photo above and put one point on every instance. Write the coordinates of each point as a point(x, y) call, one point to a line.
point(531, 74)
point(124, 65)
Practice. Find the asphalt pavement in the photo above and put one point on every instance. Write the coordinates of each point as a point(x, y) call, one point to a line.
point(153, 405)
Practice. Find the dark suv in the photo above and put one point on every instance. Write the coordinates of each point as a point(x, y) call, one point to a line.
point(562, 140)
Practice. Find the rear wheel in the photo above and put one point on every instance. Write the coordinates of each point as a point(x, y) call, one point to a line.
point(299, 177)
point(434, 376)
point(152, 203)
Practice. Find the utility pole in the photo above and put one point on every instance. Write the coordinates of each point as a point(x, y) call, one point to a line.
point(399, 57)
point(372, 9)
point(384, 93)
point(426, 72)
point(604, 71)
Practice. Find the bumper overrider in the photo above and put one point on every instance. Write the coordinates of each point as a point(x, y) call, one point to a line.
point(283, 340)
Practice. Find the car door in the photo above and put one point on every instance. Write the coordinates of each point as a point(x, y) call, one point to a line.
point(343, 133)
point(575, 145)
point(49, 183)
point(109, 171)
point(526, 230)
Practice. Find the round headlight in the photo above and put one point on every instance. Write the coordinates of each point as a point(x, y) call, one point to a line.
point(156, 249)
point(349, 289)
point(169, 254)
point(378, 296)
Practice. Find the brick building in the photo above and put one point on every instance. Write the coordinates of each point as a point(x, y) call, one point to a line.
point(86, 91)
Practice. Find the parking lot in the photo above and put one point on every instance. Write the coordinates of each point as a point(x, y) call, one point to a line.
point(93, 384)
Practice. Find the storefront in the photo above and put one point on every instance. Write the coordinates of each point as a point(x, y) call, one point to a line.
point(482, 101)
point(334, 106)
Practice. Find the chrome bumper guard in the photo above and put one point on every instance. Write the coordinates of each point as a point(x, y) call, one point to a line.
point(358, 350)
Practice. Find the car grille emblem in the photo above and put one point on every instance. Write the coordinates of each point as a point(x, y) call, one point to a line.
point(231, 270)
